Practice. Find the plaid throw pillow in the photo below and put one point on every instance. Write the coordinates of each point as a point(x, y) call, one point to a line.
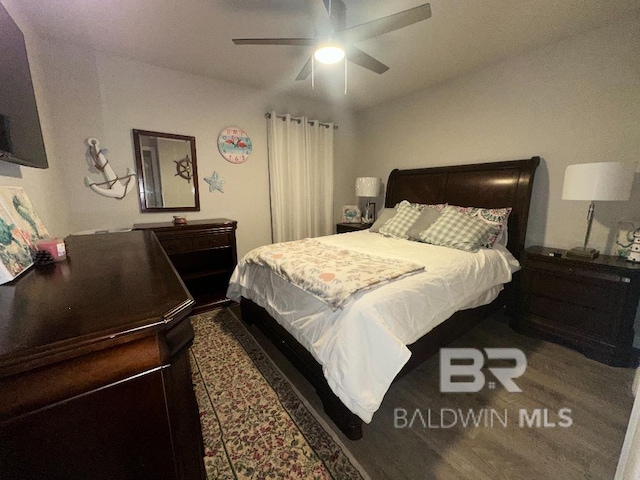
point(399, 225)
point(496, 217)
point(457, 230)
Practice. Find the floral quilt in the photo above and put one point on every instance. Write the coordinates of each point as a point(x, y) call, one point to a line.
point(330, 273)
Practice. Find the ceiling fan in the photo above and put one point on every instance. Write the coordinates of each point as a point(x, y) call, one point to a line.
point(340, 43)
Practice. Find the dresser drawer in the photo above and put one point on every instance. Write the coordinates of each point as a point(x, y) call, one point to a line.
point(173, 245)
point(212, 240)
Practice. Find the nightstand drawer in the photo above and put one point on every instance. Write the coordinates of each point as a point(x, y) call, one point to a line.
point(577, 271)
point(589, 292)
point(565, 313)
point(351, 227)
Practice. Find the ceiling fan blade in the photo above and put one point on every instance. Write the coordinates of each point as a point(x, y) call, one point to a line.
point(365, 60)
point(306, 71)
point(304, 42)
point(337, 13)
point(387, 24)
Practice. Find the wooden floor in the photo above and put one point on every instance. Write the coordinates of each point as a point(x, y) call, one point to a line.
point(599, 398)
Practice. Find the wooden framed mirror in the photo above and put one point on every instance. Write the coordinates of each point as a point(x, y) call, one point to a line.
point(167, 171)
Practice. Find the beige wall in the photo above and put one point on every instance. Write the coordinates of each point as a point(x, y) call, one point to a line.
point(573, 102)
point(43, 186)
point(576, 101)
point(84, 94)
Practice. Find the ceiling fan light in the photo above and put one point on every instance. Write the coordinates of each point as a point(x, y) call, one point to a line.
point(329, 54)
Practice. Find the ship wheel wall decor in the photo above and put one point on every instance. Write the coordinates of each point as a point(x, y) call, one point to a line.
point(183, 168)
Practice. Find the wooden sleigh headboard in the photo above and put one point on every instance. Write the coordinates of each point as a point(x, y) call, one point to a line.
point(487, 185)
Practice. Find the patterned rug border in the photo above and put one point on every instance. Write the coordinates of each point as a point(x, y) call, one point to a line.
point(330, 450)
point(326, 428)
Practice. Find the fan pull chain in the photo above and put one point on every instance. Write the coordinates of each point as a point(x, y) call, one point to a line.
point(345, 75)
point(313, 72)
point(329, 7)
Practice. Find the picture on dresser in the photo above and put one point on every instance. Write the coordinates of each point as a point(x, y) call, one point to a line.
point(26, 220)
point(15, 251)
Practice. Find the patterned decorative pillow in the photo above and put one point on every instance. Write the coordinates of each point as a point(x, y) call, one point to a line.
point(457, 230)
point(497, 217)
point(437, 206)
point(385, 215)
point(424, 221)
point(399, 225)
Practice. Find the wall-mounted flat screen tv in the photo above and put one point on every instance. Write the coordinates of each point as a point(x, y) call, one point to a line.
point(20, 133)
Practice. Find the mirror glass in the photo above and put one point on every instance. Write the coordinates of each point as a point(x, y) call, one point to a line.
point(167, 171)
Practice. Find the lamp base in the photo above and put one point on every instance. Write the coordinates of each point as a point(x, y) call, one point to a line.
point(580, 252)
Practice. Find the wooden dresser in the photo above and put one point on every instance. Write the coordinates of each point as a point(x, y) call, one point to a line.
point(204, 254)
point(95, 378)
point(588, 305)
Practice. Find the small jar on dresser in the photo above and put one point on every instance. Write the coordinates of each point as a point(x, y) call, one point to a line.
point(588, 305)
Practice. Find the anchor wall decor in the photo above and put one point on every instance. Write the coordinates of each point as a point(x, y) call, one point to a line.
point(115, 188)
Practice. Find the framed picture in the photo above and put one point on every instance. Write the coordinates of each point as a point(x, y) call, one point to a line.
point(20, 231)
point(15, 254)
point(23, 216)
point(624, 238)
point(351, 214)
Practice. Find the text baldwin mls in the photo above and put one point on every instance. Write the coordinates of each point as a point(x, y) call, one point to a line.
point(481, 418)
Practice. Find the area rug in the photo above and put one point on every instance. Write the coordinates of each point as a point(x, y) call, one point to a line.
point(254, 424)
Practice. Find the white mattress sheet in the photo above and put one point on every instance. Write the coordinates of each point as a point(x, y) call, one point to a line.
point(362, 346)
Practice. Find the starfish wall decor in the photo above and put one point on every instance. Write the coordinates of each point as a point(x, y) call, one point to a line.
point(215, 182)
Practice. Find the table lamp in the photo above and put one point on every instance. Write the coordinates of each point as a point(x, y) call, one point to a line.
point(605, 181)
point(368, 187)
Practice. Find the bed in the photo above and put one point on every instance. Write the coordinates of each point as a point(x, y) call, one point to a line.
point(487, 185)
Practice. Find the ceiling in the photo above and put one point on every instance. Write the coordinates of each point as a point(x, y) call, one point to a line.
point(195, 36)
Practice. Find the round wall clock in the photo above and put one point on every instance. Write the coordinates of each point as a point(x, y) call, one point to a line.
point(234, 145)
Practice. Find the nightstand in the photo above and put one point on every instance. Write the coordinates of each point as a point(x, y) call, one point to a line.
point(351, 227)
point(587, 305)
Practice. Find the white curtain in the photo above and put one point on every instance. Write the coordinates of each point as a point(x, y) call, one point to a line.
point(629, 461)
point(300, 176)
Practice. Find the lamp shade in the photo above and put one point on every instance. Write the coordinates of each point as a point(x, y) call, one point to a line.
point(598, 181)
point(367, 187)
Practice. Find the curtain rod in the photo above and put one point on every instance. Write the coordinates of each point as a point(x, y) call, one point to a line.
point(283, 117)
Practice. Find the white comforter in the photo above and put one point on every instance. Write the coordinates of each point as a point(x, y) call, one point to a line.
point(362, 347)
